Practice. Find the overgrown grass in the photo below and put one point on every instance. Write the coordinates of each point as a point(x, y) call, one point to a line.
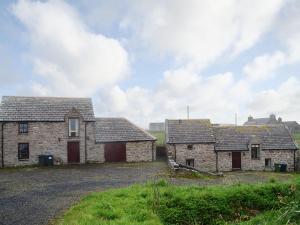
point(160, 135)
point(297, 138)
point(162, 203)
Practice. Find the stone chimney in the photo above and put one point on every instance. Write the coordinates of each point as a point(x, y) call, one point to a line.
point(273, 118)
point(250, 118)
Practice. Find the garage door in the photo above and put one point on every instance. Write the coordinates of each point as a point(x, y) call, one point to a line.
point(115, 152)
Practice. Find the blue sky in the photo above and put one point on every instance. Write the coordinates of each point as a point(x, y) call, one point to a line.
point(148, 60)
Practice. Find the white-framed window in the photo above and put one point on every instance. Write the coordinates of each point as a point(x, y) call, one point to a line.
point(73, 127)
point(255, 151)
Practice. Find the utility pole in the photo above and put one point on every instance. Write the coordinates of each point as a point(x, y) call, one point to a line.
point(188, 112)
point(235, 119)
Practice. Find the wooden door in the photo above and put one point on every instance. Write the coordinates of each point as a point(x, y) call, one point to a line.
point(236, 160)
point(115, 152)
point(73, 152)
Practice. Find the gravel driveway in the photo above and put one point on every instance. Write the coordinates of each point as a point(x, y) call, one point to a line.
point(33, 196)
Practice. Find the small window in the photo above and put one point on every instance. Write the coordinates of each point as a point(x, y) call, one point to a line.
point(190, 147)
point(255, 151)
point(23, 151)
point(268, 162)
point(190, 162)
point(73, 127)
point(23, 127)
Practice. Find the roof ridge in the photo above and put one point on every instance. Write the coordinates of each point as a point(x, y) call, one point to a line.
point(57, 97)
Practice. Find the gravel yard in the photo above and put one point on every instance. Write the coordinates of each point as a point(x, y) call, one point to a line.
point(36, 195)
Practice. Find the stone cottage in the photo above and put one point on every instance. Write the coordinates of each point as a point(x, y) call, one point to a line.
point(198, 144)
point(62, 127)
point(292, 126)
point(117, 139)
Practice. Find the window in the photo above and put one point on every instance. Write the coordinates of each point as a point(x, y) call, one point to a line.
point(190, 162)
point(255, 151)
point(23, 127)
point(23, 151)
point(190, 147)
point(267, 162)
point(73, 127)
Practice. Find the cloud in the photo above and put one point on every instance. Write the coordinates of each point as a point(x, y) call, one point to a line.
point(199, 32)
point(263, 67)
point(283, 101)
point(70, 59)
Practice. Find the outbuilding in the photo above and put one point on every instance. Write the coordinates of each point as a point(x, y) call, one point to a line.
point(119, 140)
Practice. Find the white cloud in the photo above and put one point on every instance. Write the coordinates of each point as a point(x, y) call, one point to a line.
point(71, 59)
point(264, 66)
point(283, 101)
point(198, 32)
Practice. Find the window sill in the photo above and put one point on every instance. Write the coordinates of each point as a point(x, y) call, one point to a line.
point(22, 160)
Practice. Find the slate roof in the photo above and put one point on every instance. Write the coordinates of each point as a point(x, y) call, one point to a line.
point(119, 130)
point(189, 131)
point(238, 138)
point(15, 108)
point(258, 121)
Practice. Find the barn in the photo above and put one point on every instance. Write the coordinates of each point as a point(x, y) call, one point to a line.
point(119, 140)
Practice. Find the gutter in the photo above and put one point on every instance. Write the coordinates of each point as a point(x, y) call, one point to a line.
point(2, 144)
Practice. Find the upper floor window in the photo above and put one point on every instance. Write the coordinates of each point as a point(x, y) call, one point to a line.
point(73, 127)
point(23, 151)
point(255, 151)
point(190, 147)
point(23, 127)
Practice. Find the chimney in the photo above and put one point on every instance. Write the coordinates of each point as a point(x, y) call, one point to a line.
point(279, 120)
point(250, 118)
point(272, 117)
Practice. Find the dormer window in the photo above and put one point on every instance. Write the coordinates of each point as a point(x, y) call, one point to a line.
point(23, 127)
point(73, 127)
point(255, 151)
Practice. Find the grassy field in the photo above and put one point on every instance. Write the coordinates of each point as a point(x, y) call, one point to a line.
point(161, 138)
point(162, 203)
point(297, 138)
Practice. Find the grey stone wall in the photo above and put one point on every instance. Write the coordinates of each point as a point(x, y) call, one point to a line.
point(276, 156)
point(98, 155)
point(47, 138)
point(140, 151)
point(203, 155)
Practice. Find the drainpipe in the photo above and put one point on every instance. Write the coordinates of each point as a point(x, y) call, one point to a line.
point(2, 144)
point(175, 152)
point(152, 150)
point(217, 161)
point(85, 149)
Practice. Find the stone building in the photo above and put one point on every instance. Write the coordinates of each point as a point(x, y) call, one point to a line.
point(117, 139)
point(205, 147)
point(292, 126)
point(62, 127)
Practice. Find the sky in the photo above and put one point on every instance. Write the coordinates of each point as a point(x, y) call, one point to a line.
point(147, 60)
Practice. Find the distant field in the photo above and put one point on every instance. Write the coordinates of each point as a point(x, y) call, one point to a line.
point(160, 135)
point(297, 138)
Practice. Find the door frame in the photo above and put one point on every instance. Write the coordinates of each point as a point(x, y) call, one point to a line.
point(77, 142)
point(239, 155)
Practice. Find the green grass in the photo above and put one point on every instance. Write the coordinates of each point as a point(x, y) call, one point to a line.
point(161, 138)
point(163, 203)
point(297, 138)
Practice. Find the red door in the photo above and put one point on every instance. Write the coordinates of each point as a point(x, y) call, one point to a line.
point(115, 152)
point(236, 160)
point(73, 152)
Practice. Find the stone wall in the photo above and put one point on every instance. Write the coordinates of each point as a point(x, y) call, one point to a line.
point(203, 155)
point(140, 151)
point(98, 155)
point(276, 156)
point(46, 138)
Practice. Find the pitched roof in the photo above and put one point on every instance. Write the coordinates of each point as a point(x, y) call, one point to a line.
point(119, 130)
point(258, 121)
point(189, 131)
point(15, 108)
point(271, 137)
